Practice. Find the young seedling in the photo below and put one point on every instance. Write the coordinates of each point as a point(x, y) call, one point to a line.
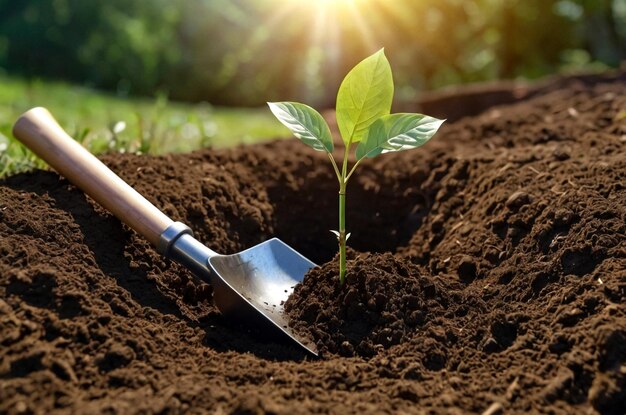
point(364, 119)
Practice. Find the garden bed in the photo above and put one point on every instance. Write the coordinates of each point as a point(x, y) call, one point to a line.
point(487, 275)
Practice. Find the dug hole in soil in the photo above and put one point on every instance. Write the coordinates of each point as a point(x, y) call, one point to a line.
point(487, 275)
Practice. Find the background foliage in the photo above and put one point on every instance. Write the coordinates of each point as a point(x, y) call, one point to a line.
point(245, 52)
point(103, 122)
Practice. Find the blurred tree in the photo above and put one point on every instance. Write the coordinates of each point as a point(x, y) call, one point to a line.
point(602, 37)
point(249, 51)
point(113, 43)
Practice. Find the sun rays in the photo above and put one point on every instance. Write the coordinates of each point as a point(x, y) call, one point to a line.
point(328, 22)
point(321, 39)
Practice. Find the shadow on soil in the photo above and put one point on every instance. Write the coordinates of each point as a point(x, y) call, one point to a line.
point(95, 229)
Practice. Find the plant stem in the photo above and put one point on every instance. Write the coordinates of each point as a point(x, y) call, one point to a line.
point(342, 232)
point(342, 215)
point(353, 169)
point(332, 160)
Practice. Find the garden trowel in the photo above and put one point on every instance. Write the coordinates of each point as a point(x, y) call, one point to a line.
point(251, 285)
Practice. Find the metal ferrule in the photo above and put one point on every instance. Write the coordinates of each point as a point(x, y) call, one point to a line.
point(170, 235)
point(193, 254)
point(177, 242)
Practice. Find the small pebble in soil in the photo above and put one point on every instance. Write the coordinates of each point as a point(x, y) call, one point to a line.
point(517, 200)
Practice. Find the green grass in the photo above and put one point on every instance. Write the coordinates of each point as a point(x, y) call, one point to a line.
point(103, 122)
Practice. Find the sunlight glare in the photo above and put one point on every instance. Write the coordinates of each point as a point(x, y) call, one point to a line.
point(326, 4)
point(325, 24)
point(335, 1)
point(325, 1)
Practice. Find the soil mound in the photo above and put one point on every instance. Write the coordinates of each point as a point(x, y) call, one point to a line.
point(381, 303)
point(488, 276)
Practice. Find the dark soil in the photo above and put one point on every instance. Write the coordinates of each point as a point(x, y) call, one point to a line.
point(382, 303)
point(488, 276)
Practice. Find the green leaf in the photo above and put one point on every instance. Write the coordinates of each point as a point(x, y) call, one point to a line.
point(397, 132)
point(364, 95)
point(305, 123)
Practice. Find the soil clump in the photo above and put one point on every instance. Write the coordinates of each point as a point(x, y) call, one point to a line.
point(488, 275)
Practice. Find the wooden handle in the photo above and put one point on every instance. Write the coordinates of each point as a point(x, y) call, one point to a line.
point(40, 132)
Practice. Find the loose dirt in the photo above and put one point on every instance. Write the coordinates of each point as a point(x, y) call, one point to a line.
point(488, 275)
